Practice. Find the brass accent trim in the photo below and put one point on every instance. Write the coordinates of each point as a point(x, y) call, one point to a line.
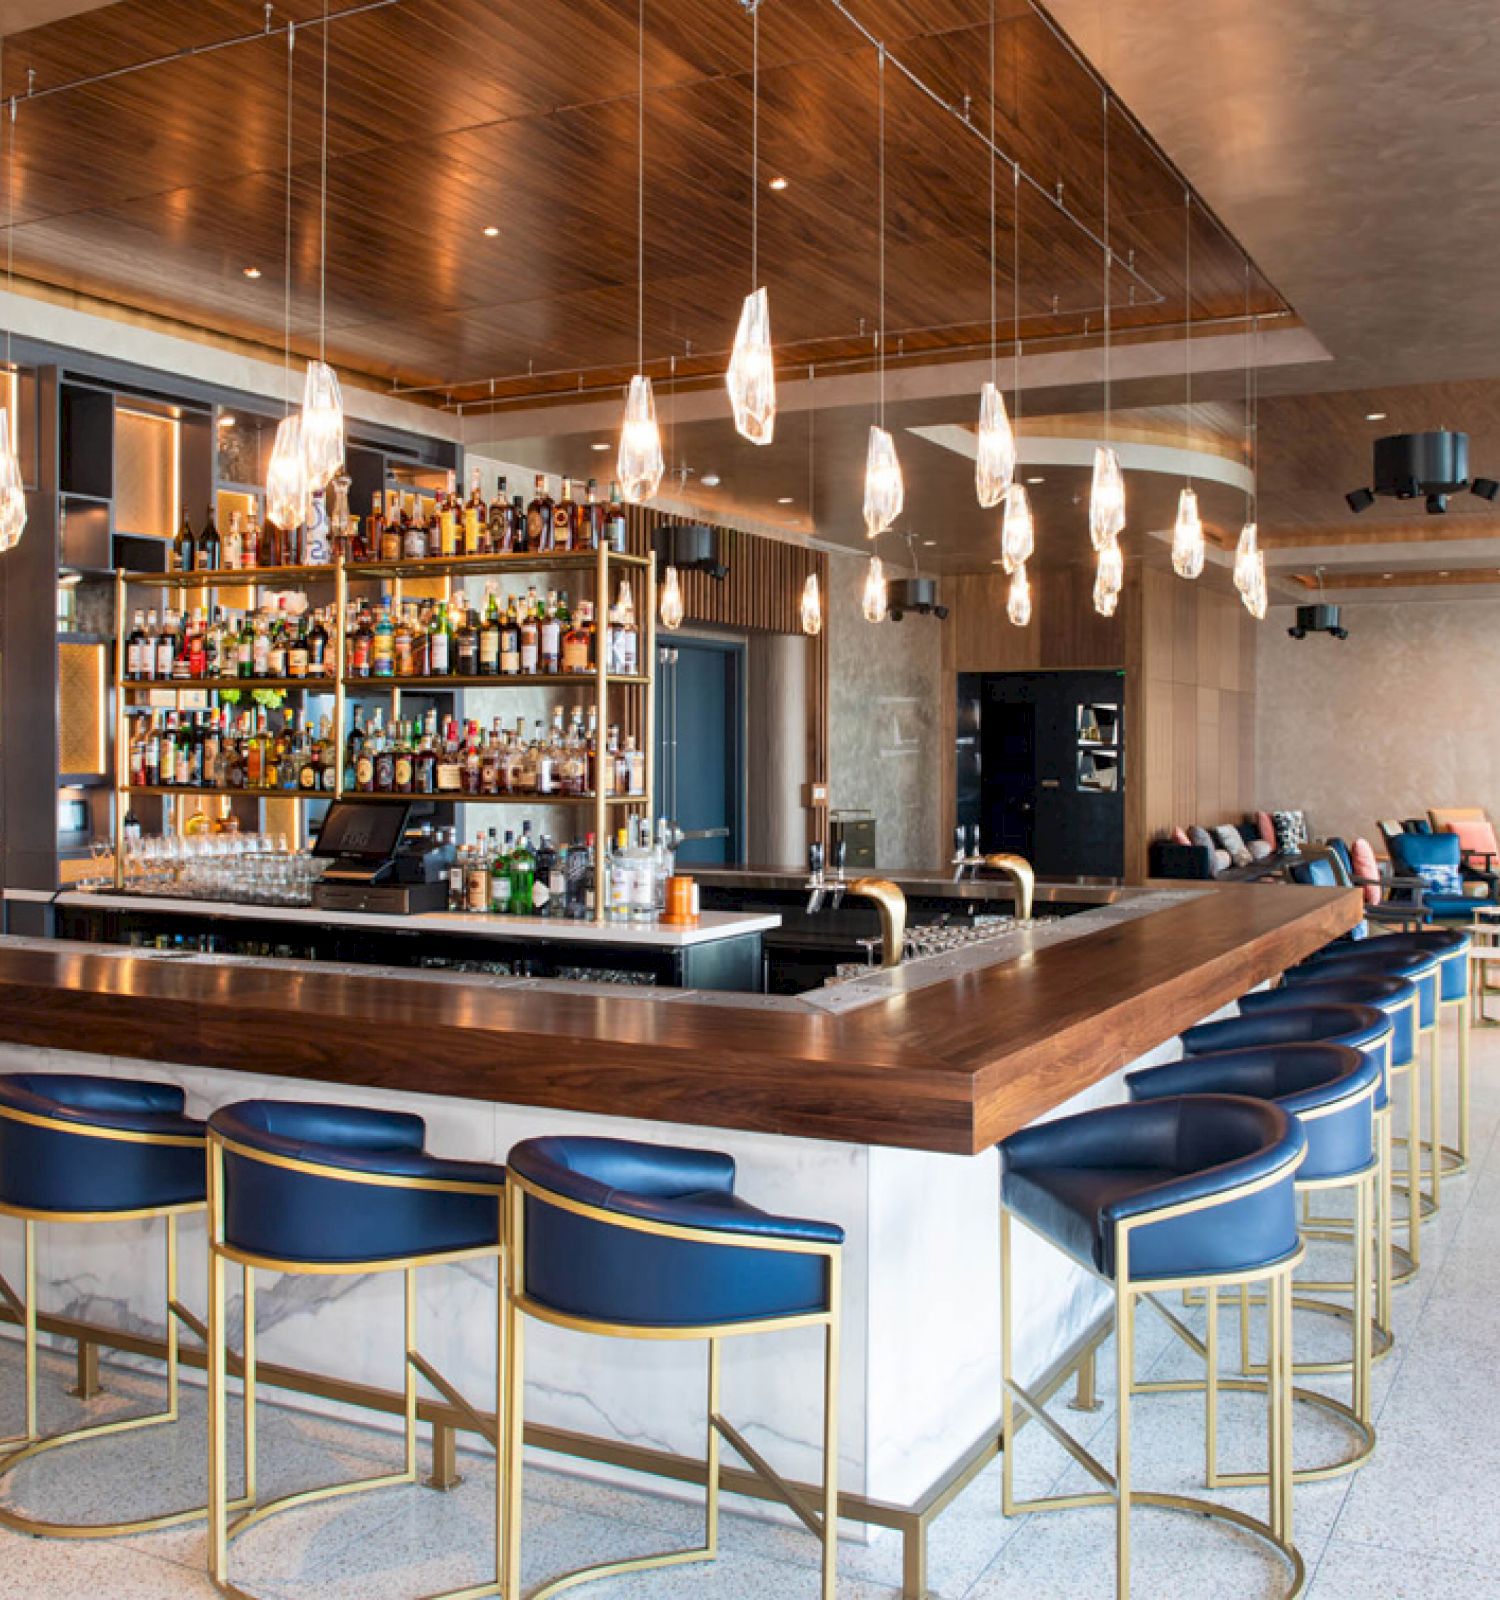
point(175, 1141)
point(890, 902)
point(1022, 880)
point(377, 1180)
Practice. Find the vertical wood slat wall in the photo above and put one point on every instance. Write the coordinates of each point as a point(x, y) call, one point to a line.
point(762, 592)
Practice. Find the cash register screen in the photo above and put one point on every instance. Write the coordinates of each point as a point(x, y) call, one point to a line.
point(365, 830)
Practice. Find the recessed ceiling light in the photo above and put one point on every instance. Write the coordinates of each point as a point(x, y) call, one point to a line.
point(784, 500)
point(778, 184)
point(251, 272)
point(1036, 480)
point(997, 562)
point(929, 543)
point(1387, 576)
point(1374, 416)
point(227, 419)
point(600, 444)
point(1442, 574)
point(492, 232)
point(710, 480)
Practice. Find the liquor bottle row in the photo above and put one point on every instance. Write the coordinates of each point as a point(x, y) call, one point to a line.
point(268, 643)
point(230, 750)
point(514, 638)
point(446, 527)
point(512, 876)
point(563, 762)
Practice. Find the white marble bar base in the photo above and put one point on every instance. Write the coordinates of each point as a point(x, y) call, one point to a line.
point(921, 1349)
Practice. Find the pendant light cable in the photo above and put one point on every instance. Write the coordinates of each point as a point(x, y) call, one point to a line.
point(10, 240)
point(994, 346)
point(323, 207)
point(881, 58)
point(1108, 421)
point(812, 430)
point(1187, 321)
point(755, 148)
point(286, 334)
point(1252, 329)
point(1015, 302)
point(640, 189)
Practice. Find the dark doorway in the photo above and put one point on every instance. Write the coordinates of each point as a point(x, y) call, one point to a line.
point(700, 747)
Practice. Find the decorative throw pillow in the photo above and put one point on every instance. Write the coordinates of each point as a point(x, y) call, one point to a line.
point(1201, 837)
point(1259, 849)
point(1179, 836)
point(1366, 866)
point(1476, 837)
point(1265, 827)
point(1222, 862)
point(1291, 830)
point(1441, 879)
point(1228, 838)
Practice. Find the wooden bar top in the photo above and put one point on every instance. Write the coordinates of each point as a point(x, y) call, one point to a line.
point(950, 1067)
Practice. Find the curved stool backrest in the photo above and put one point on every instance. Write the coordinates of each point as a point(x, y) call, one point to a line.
point(77, 1145)
point(1450, 945)
point(1420, 967)
point(628, 1235)
point(1362, 1027)
point(343, 1185)
point(1397, 997)
point(1330, 1089)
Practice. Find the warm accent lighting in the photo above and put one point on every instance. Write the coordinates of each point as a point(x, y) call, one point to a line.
point(671, 607)
point(1017, 533)
point(1018, 602)
point(601, 445)
point(227, 419)
point(1374, 416)
point(1109, 578)
point(1106, 498)
point(778, 184)
point(251, 272)
point(785, 500)
point(492, 232)
point(1257, 599)
point(873, 602)
point(710, 480)
point(286, 476)
point(885, 492)
point(1245, 553)
point(1187, 537)
point(12, 489)
point(640, 464)
point(812, 606)
point(322, 426)
point(995, 460)
point(751, 378)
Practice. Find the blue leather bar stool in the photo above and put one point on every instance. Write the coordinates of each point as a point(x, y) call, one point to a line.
point(1420, 967)
point(641, 1241)
point(79, 1149)
point(302, 1188)
point(1191, 1192)
point(1330, 1090)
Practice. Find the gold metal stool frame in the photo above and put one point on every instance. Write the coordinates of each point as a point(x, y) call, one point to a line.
point(822, 1521)
point(221, 1531)
point(1448, 1160)
point(30, 1444)
point(1117, 1491)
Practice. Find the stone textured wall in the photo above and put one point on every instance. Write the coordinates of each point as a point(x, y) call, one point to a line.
point(1397, 718)
point(885, 724)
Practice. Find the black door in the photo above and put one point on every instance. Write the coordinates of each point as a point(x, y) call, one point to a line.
point(1009, 778)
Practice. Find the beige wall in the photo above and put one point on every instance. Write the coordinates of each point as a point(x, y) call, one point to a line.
point(1397, 718)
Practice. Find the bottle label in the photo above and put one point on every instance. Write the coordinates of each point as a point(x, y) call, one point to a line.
point(489, 650)
point(415, 547)
point(403, 774)
point(447, 533)
point(534, 529)
point(477, 889)
point(575, 652)
point(296, 663)
point(308, 777)
point(510, 655)
point(562, 529)
point(471, 530)
point(540, 895)
point(449, 777)
point(551, 640)
point(499, 892)
point(528, 655)
point(132, 659)
point(364, 773)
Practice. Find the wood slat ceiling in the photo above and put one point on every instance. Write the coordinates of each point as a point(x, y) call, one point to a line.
point(157, 188)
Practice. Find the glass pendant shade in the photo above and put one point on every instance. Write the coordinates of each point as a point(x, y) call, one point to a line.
point(1106, 498)
point(286, 477)
point(12, 489)
point(873, 602)
point(1187, 537)
point(1245, 553)
point(640, 464)
point(1017, 533)
point(885, 492)
point(322, 426)
point(670, 607)
point(812, 606)
point(1018, 602)
point(995, 461)
point(1109, 579)
point(1255, 594)
point(751, 377)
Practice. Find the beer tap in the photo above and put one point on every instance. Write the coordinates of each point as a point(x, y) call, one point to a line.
point(821, 884)
point(966, 856)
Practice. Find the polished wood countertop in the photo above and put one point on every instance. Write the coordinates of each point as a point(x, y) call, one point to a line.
point(952, 1066)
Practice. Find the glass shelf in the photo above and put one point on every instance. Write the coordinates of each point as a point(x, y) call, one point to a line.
point(232, 794)
point(492, 566)
point(448, 797)
point(314, 685)
point(230, 578)
point(507, 680)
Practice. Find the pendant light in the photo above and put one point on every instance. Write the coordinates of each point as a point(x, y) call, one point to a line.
point(640, 464)
point(1246, 554)
point(1017, 534)
point(1018, 602)
point(885, 490)
point(12, 486)
point(287, 494)
point(1107, 494)
point(1249, 558)
point(995, 457)
point(670, 608)
point(812, 594)
point(1188, 552)
point(322, 403)
point(751, 378)
point(812, 607)
point(873, 602)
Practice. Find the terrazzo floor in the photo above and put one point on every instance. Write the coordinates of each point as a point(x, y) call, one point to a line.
point(1418, 1523)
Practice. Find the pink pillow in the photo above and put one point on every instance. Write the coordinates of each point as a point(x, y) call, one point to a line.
point(1365, 866)
point(1179, 836)
point(1265, 827)
point(1477, 836)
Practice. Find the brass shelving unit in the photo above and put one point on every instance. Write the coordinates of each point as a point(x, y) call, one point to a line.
point(599, 564)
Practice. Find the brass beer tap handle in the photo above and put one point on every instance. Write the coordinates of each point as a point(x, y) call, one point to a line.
point(1022, 880)
point(890, 902)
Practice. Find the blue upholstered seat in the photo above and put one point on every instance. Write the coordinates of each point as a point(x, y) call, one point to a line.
point(1300, 1078)
point(1319, 872)
point(1397, 997)
point(1437, 858)
point(284, 1214)
point(1377, 958)
point(1076, 1178)
point(593, 1269)
point(54, 1168)
point(1451, 946)
point(1361, 1027)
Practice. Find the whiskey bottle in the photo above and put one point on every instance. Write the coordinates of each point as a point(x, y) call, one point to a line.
point(531, 636)
point(440, 643)
point(563, 516)
point(539, 517)
point(210, 552)
point(489, 636)
point(501, 540)
point(136, 664)
point(166, 647)
point(615, 525)
point(510, 643)
point(550, 627)
point(577, 639)
point(185, 551)
point(317, 647)
point(233, 553)
point(589, 528)
point(383, 645)
point(476, 520)
point(466, 640)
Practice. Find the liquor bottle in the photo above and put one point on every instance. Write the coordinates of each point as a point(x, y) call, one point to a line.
point(615, 525)
point(549, 629)
point(501, 540)
point(404, 665)
point(589, 527)
point(577, 640)
point(469, 772)
point(136, 666)
point(298, 653)
point(489, 636)
point(414, 533)
point(539, 517)
point(317, 647)
point(233, 553)
point(270, 551)
point(531, 635)
point(448, 538)
point(520, 539)
point(466, 640)
point(383, 646)
point(166, 646)
point(498, 857)
point(197, 646)
point(210, 551)
point(440, 643)
point(276, 647)
point(404, 760)
point(185, 551)
point(425, 761)
point(563, 516)
point(260, 651)
point(450, 762)
point(523, 874)
point(385, 765)
point(635, 767)
point(510, 642)
point(384, 534)
point(476, 520)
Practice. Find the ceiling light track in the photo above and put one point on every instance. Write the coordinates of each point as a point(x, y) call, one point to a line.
point(270, 31)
